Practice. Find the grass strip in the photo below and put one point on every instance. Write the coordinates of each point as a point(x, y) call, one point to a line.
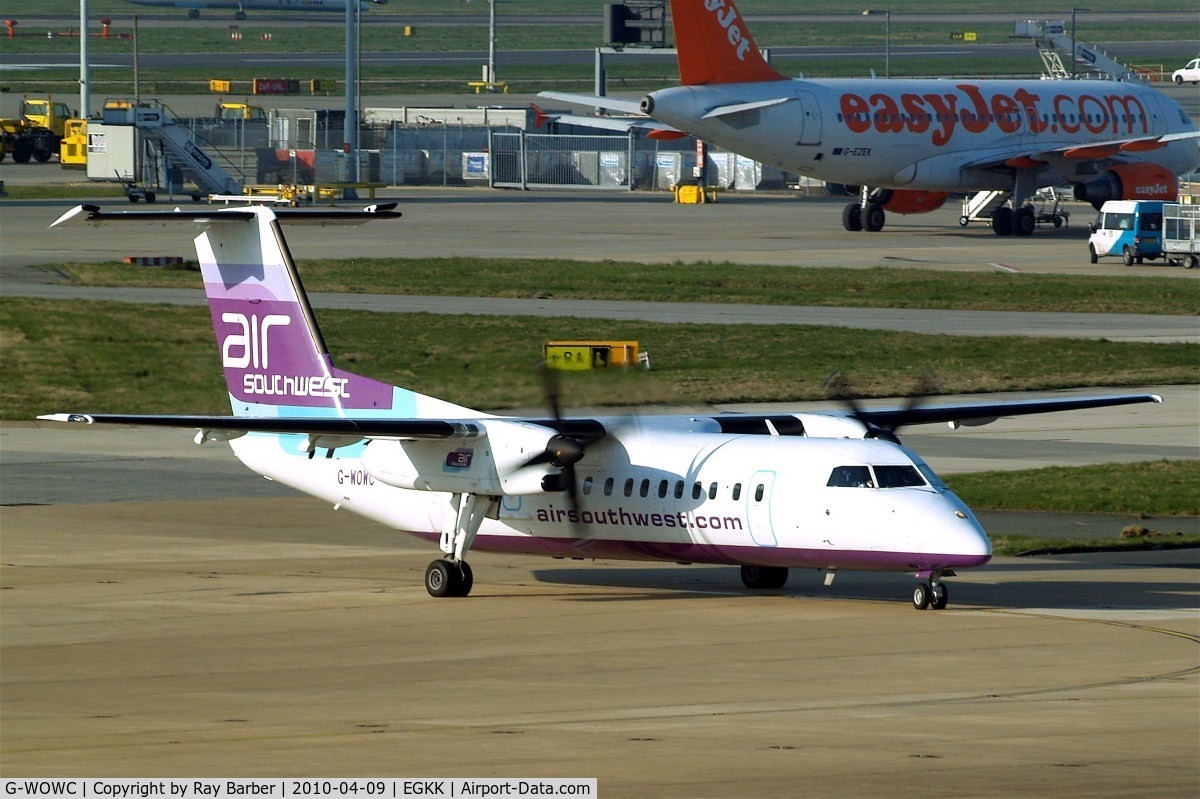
point(1166, 488)
point(116, 357)
point(882, 287)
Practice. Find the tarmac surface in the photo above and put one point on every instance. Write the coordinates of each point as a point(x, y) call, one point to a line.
point(166, 613)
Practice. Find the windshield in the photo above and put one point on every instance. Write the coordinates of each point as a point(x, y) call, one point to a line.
point(898, 477)
point(889, 476)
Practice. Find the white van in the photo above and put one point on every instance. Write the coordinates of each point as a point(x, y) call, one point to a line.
point(1131, 229)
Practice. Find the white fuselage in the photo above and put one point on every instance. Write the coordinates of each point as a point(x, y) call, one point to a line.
point(928, 134)
point(683, 496)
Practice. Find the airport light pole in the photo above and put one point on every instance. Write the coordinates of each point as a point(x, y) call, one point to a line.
point(887, 58)
point(85, 96)
point(1073, 45)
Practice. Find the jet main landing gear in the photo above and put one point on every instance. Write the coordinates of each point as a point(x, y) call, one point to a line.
point(451, 575)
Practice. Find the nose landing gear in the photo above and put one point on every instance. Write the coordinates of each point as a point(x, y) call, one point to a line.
point(932, 594)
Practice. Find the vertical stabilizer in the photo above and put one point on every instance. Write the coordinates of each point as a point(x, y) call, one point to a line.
point(715, 45)
point(275, 359)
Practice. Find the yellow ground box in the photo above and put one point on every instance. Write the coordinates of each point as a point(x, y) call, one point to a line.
point(579, 355)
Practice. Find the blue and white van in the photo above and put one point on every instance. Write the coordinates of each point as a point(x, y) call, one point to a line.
point(1131, 229)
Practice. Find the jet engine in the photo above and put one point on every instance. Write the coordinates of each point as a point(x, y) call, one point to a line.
point(1128, 182)
point(914, 201)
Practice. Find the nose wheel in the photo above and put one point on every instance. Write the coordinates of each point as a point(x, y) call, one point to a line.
point(933, 594)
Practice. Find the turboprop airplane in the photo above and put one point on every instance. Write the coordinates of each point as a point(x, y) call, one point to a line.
point(194, 6)
point(908, 143)
point(824, 491)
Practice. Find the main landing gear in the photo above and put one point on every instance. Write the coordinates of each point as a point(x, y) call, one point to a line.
point(932, 594)
point(867, 214)
point(451, 575)
point(764, 577)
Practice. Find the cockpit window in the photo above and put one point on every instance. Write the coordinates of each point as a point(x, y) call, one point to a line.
point(851, 477)
point(898, 476)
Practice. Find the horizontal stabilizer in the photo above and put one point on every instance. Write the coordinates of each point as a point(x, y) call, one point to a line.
point(594, 101)
point(738, 108)
point(95, 215)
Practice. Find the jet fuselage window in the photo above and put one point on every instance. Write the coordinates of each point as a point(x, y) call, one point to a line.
point(697, 491)
point(712, 490)
point(608, 487)
point(737, 491)
point(759, 490)
point(678, 489)
point(587, 485)
point(629, 487)
point(644, 491)
point(662, 488)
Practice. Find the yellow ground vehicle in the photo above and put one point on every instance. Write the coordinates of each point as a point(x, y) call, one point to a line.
point(72, 150)
point(240, 111)
point(36, 133)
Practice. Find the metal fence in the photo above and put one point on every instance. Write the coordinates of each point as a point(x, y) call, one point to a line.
point(528, 161)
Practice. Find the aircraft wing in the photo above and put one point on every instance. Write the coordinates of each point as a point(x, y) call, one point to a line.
point(1022, 157)
point(980, 413)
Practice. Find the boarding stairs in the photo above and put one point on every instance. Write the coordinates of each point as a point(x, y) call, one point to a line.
point(980, 205)
point(1052, 38)
point(180, 145)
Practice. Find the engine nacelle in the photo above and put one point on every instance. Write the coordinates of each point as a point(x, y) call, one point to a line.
point(1129, 182)
point(915, 201)
point(494, 464)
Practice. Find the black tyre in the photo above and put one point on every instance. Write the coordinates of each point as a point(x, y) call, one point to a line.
point(963, 221)
point(150, 197)
point(41, 156)
point(1002, 221)
point(193, 13)
point(874, 218)
point(1092, 254)
point(465, 579)
point(920, 596)
point(939, 596)
point(22, 151)
point(1127, 256)
point(440, 578)
point(764, 577)
point(1192, 262)
point(133, 198)
point(1024, 222)
point(852, 217)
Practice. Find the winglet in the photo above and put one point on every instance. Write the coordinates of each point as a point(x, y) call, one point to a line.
point(715, 45)
point(540, 117)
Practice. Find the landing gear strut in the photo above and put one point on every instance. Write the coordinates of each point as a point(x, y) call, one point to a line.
point(452, 576)
point(932, 594)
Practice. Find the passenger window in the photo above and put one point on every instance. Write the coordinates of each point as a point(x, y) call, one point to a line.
point(851, 477)
point(712, 490)
point(697, 491)
point(587, 485)
point(629, 487)
point(758, 492)
point(737, 491)
point(678, 489)
point(662, 488)
point(608, 487)
point(644, 491)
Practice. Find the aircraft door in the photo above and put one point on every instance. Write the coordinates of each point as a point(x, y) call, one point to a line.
point(758, 509)
point(810, 113)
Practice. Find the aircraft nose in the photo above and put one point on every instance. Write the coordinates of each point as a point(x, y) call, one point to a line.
point(956, 533)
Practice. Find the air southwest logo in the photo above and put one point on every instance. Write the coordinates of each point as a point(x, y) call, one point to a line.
point(251, 349)
point(725, 18)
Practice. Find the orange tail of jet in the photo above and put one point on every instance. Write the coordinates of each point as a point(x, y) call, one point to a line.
point(715, 45)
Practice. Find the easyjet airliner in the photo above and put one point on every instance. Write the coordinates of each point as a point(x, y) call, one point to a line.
point(909, 143)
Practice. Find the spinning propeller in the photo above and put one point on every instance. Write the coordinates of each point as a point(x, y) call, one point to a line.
point(838, 388)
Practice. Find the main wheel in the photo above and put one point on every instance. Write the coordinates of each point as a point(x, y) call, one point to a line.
point(1002, 221)
point(465, 579)
point(921, 596)
point(1127, 256)
point(440, 578)
point(940, 596)
point(873, 218)
point(852, 217)
point(1024, 222)
point(768, 577)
